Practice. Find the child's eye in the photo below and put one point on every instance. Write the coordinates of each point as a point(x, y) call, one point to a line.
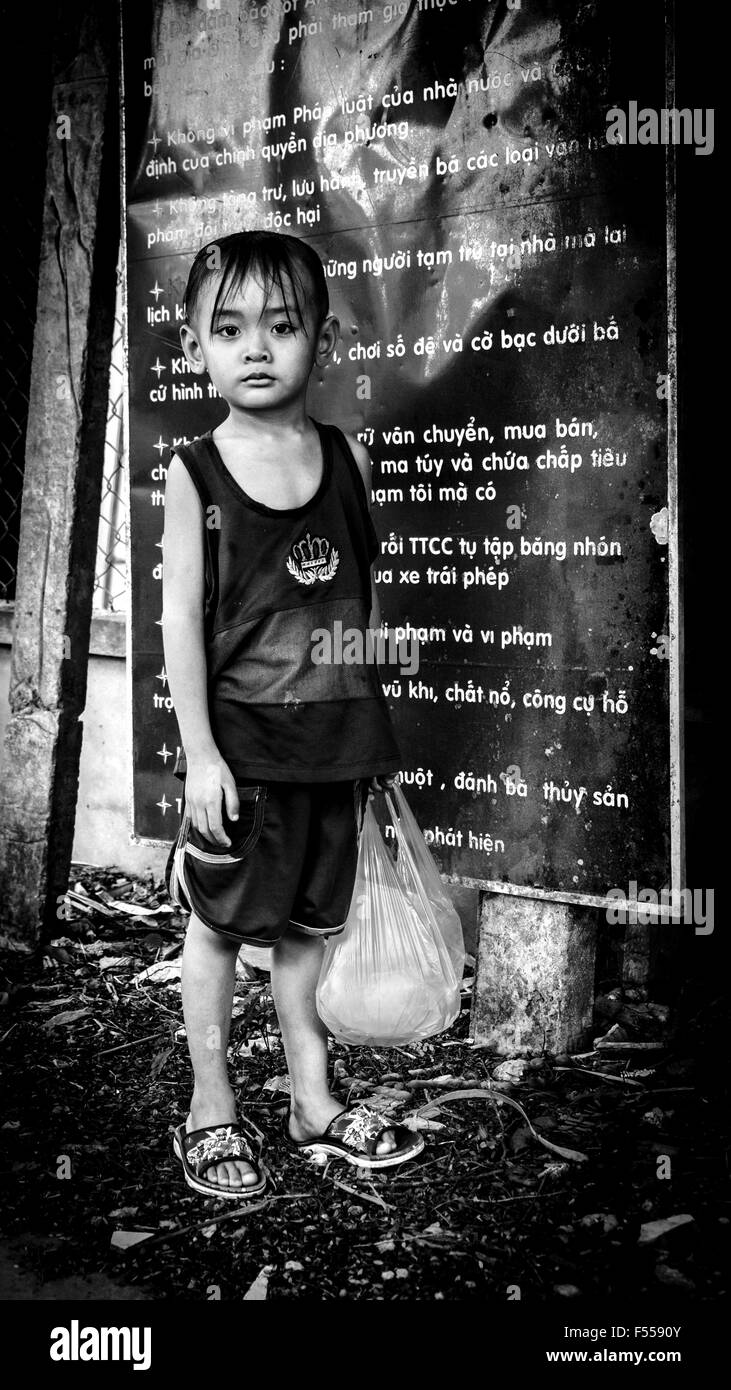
point(226, 330)
point(282, 330)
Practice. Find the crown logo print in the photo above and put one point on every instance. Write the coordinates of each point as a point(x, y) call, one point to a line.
point(311, 559)
point(311, 550)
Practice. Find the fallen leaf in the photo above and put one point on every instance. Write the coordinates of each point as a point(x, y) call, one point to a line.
point(653, 1230)
point(614, 1034)
point(44, 1004)
point(434, 1107)
point(122, 1240)
point(257, 1291)
point(553, 1170)
point(159, 974)
point(82, 901)
point(600, 1218)
point(515, 1069)
point(416, 1122)
point(159, 1060)
point(278, 1083)
point(258, 956)
point(70, 1016)
point(673, 1278)
point(423, 1083)
point(520, 1138)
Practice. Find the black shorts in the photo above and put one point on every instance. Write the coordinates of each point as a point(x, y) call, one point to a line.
point(290, 865)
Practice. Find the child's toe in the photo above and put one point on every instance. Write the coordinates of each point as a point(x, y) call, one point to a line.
point(387, 1142)
point(247, 1174)
point(218, 1174)
point(232, 1174)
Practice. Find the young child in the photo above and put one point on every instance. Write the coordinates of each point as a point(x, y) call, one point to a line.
point(268, 537)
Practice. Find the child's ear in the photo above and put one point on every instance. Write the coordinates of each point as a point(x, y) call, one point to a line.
point(192, 348)
point(327, 340)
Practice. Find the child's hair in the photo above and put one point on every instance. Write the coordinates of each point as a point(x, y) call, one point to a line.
point(272, 258)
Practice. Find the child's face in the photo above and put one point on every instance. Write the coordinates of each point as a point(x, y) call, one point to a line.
point(257, 357)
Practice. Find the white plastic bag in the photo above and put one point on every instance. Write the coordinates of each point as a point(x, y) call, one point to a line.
point(420, 875)
point(391, 977)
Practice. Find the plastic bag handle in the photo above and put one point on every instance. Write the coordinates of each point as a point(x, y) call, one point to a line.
point(392, 797)
point(403, 844)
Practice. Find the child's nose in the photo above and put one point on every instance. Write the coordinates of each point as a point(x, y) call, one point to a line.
point(256, 349)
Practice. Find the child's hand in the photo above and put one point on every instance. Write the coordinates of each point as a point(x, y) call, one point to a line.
point(210, 787)
point(381, 784)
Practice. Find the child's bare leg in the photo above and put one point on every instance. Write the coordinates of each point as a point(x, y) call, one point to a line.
point(208, 978)
point(296, 962)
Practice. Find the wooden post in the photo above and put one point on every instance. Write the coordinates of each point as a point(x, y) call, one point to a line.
point(63, 472)
point(534, 986)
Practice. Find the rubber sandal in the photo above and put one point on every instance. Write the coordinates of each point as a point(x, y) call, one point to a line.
point(354, 1135)
point(200, 1149)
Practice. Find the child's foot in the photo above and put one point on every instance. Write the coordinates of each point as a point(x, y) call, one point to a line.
point(309, 1122)
point(234, 1173)
point(361, 1136)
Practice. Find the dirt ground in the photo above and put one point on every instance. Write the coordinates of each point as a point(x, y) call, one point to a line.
point(598, 1175)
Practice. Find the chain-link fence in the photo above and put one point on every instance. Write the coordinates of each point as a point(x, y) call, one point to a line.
point(20, 225)
point(21, 220)
point(110, 583)
point(20, 230)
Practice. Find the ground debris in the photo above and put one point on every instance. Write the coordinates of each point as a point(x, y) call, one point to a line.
point(257, 1291)
point(124, 1240)
point(70, 1016)
point(655, 1230)
point(93, 1097)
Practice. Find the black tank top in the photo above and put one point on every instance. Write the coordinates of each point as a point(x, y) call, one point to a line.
point(273, 578)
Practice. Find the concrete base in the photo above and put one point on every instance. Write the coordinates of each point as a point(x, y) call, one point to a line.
point(534, 985)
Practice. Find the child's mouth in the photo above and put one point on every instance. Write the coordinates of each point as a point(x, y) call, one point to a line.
point(257, 379)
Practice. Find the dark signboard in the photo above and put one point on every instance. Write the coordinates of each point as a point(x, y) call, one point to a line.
point(498, 263)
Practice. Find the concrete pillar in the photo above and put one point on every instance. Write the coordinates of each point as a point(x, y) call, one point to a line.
point(639, 957)
point(534, 984)
point(63, 470)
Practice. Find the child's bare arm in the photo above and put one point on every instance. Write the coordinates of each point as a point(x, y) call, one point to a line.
point(208, 777)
